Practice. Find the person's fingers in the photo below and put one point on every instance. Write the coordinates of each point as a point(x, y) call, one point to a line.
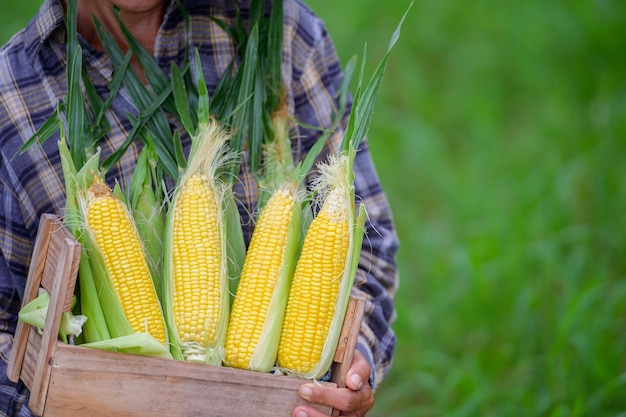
point(359, 372)
point(343, 399)
point(304, 411)
point(354, 400)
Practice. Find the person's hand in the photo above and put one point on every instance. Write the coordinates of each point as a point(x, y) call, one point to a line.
point(355, 400)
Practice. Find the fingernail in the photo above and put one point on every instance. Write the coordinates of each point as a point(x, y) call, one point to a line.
point(305, 391)
point(356, 380)
point(301, 414)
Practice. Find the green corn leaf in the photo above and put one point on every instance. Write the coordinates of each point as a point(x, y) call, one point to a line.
point(233, 33)
point(45, 132)
point(76, 108)
point(114, 86)
point(158, 80)
point(137, 344)
point(203, 102)
point(154, 74)
point(101, 126)
point(141, 97)
point(365, 98)
point(181, 99)
point(77, 140)
point(305, 165)
point(146, 206)
point(245, 81)
point(187, 21)
point(274, 58)
point(236, 243)
point(95, 329)
point(144, 120)
point(221, 103)
point(181, 160)
point(256, 131)
point(36, 311)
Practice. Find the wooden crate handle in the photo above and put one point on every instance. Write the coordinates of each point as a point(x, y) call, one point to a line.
point(347, 342)
point(33, 281)
point(54, 267)
point(64, 278)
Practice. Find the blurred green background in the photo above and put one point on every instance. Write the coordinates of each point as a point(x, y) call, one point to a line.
point(500, 138)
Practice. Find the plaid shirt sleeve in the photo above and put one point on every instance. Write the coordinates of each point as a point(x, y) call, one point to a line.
point(316, 75)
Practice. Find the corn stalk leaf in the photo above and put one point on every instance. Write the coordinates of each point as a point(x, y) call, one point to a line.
point(156, 77)
point(203, 102)
point(244, 88)
point(100, 126)
point(114, 87)
point(45, 132)
point(343, 93)
point(274, 57)
point(141, 97)
point(138, 124)
point(365, 98)
point(75, 104)
point(179, 90)
point(256, 131)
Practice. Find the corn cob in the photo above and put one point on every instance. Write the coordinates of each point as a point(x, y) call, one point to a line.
point(259, 304)
point(117, 319)
point(203, 242)
point(323, 277)
point(115, 235)
point(196, 266)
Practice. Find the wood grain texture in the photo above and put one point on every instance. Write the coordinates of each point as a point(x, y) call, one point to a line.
point(85, 382)
point(33, 281)
point(68, 256)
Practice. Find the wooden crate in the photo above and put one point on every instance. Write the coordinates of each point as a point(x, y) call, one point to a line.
point(67, 380)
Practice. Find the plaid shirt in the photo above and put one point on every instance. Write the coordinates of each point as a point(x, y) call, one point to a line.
point(32, 81)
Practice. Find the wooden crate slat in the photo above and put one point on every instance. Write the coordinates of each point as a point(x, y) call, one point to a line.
point(30, 358)
point(103, 384)
point(33, 281)
point(347, 340)
point(60, 239)
point(67, 258)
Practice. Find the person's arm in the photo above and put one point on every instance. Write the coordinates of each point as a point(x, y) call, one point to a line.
point(316, 80)
point(376, 282)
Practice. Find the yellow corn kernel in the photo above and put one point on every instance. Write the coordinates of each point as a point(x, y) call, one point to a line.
point(315, 286)
point(124, 256)
point(262, 269)
point(196, 262)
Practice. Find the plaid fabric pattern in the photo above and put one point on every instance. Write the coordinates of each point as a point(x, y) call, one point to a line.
point(32, 81)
